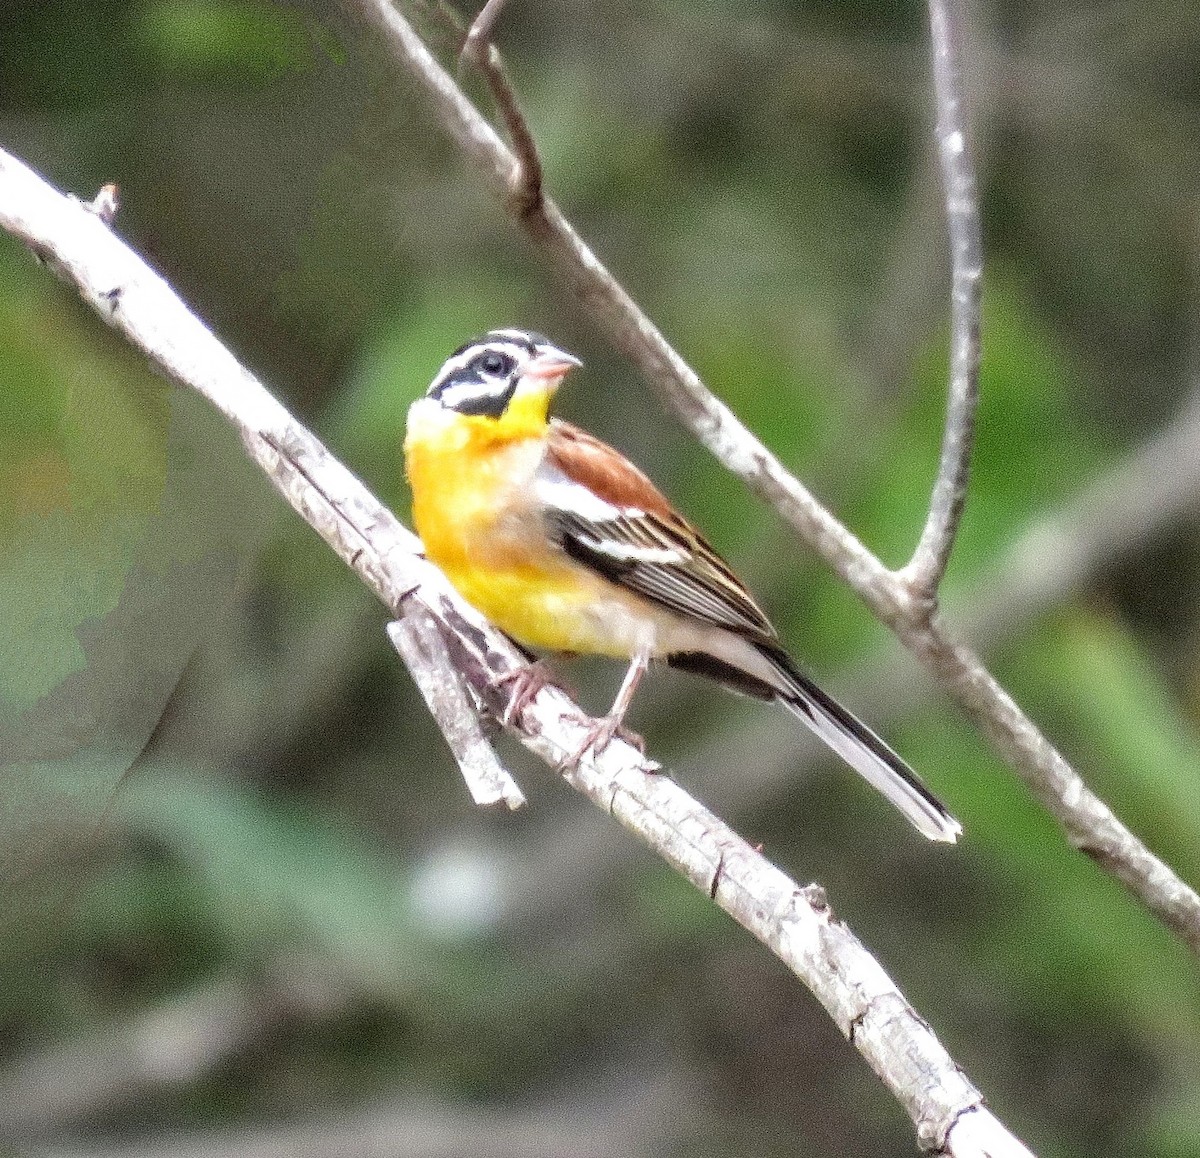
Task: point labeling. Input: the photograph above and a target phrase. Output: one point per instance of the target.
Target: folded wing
(609, 517)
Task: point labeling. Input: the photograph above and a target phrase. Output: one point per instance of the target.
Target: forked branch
(1088, 822)
(479, 50)
(795, 923)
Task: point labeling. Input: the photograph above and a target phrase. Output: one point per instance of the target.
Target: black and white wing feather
(609, 517)
(661, 562)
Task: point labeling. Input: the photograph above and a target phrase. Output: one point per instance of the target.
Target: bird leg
(527, 680)
(601, 732)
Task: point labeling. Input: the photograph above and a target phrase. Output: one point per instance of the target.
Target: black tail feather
(839, 728)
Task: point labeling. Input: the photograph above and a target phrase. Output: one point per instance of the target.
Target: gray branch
(796, 923)
(928, 564)
(478, 50)
(1088, 822)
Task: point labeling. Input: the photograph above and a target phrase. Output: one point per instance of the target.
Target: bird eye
(494, 364)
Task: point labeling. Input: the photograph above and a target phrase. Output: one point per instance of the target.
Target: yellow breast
(475, 509)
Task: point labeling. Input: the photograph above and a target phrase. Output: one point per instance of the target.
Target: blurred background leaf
(242, 885)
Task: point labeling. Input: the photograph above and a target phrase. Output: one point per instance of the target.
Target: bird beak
(551, 365)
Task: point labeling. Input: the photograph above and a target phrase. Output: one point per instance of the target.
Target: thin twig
(1088, 822)
(924, 572)
(796, 924)
(479, 50)
(479, 35)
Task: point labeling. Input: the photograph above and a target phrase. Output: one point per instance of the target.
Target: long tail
(864, 751)
(847, 735)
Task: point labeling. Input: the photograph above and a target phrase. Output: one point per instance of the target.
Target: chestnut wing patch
(655, 555)
(606, 472)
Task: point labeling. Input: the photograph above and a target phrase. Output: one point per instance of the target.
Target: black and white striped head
(484, 376)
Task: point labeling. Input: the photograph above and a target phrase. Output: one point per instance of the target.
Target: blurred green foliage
(222, 806)
(83, 458)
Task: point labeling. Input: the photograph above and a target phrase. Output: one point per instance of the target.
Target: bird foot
(527, 681)
(599, 735)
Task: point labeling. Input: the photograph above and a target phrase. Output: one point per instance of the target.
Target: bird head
(502, 381)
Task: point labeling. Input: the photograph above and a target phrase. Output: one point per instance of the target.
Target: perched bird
(564, 544)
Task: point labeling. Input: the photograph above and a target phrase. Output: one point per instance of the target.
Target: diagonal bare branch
(1090, 825)
(1155, 485)
(796, 923)
(924, 572)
